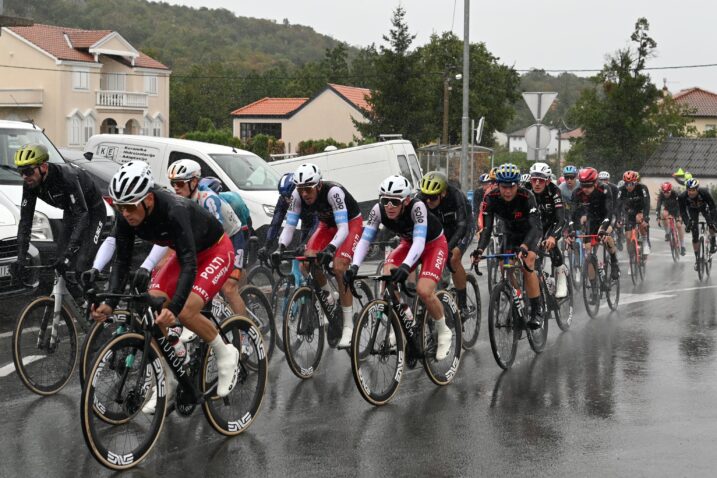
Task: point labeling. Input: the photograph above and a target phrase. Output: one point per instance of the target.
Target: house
(696, 155)
(76, 83)
(702, 105)
(292, 120)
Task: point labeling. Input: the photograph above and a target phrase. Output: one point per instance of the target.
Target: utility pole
(446, 90)
(466, 70)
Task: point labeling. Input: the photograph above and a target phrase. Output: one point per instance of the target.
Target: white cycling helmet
(184, 170)
(540, 170)
(396, 186)
(604, 176)
(307, 175)
(131, 183)
(524, 178)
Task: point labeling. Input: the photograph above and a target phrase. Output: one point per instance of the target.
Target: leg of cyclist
(342, 261)
(612, 249)
(680, 231)
(231, 287)
(458, 271)
(432, 262)
(559, 267)
(532, 289)
(644, 229)
(664, 221)
(695, 228)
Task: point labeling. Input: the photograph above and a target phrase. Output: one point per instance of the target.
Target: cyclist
(524, 180)
(235, 201)
(552, 215)
(184, 176)
(517, 208)
(670, 199)
(570, 183)
(65, 187)
(633, 208)
(604, 181)
(592, 209)
(693, 201)
(189, 279)
(335, 238)
(422, 240)
(478, 194)
(490, 185)
(449, 204)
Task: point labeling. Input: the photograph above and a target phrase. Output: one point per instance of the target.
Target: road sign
(538, 136)
(539, 102)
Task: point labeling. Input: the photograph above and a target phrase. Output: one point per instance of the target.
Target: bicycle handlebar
(408, 289)
(154, 302)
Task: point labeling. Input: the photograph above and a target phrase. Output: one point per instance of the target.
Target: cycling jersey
(84, 214)
(552, 212)
(238, 205)
(178, 223)
(454, 214)
(521, 219)
(308, 222)
(220, 209)
(671, 203)
(701, 203)
(614, 192)
(334, 207)
(597, 206)
(567, 193)
(633, 202)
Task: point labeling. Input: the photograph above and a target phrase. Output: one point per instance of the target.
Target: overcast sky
(548, 34)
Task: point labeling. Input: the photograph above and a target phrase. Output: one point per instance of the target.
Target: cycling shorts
(433, 259)
(214, 265)
(323, 235)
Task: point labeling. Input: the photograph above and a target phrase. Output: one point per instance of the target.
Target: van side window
(403, 166)
(415, 168)
(175, 156)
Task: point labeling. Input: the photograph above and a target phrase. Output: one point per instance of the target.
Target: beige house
(328, 115)
(703, 107)
(76, 83)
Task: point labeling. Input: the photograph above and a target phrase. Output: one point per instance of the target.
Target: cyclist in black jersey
(450, 205)
(422, 239)
(68, 188)
(604, 182)
(669, 198)
(518, 209)
(189, 279)
(693, 201)
(552, 216)
(335, 238)
(633, 208)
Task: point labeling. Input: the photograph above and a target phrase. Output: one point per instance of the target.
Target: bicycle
(704, 261)
(507, 313)
(673, 236)
(636, 257)
(385, 338)
(258, 310)
(574, 253)
(387, 247)
(303, 329)
(471, 323)
(562, 307)
(129, 367)
(597, 279)
(261, 276)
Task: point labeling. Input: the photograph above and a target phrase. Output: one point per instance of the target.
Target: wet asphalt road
(631, 393)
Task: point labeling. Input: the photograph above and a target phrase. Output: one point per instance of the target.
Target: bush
(312, 146)
(261, 145)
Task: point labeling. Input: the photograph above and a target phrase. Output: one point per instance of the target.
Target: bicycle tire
(492, 267)
(701, 260)
(591, 287)
(641, 263)
(505, 330)
(378, 284)
(632, 255)
(259, 311)
(94, 426)
(359, 304)
(301, 314)
(246, 337)
(262, 277)
(674, 243)
(280, 296)
(566, 306)
(538, 338)
(99, 334)
(380, 321)
(44, 374)
(442, 372)
(471, 324)
(612, 286)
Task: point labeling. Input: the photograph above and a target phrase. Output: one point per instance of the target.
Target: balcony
(21, 97)
(121, 100)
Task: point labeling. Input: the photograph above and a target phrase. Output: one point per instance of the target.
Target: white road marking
(24, 331)
(626, 299)
(10, 368)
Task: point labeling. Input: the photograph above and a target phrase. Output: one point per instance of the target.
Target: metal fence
(448, 160)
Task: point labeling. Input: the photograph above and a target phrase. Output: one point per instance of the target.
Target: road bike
(704, 259)
(597, 278)
(574, 253)
(561, 308)
(635, 254)
(674, 238)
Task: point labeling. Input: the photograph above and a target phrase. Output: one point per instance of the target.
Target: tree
(625, 116)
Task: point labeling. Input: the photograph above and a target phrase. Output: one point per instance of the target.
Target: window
(89, 128)
(157, 126)
(175, 156)
(74, 128)
(247, 172)
(415, 169)
(150, 84)
(710, 127)
(112, 82)
(403, 166)
(80, 79)
(249, 130)
(147, 127)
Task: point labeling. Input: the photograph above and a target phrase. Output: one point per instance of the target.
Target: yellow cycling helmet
(433, 183)
(31, 155)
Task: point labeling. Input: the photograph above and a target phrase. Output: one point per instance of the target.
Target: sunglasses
(538, 180)
(393, 202)
(129, 207)
(178, 183)
(29, 171)
(304, 189)
(431, 197)
(587, 185)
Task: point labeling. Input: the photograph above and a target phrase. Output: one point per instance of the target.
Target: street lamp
(446, 89)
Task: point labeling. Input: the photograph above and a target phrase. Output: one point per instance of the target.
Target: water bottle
(550, 282)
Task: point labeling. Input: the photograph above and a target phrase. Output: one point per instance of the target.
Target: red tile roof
(270, 107)
(353, 94)
(576, 133)
(51, 39)
(703, 102)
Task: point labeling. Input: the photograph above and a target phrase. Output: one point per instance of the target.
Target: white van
(362, 168)
(239, 170)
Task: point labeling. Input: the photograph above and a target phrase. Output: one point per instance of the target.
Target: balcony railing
(121, 99)
(21, 97)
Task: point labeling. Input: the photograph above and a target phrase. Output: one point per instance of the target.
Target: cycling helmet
(630, 177)
(692, 183)
(570, 170)
(620, 183)
(507, 174)
(31, 155)
(211, 183)
(307, 175)
(588, 175)
(666, 187)
(484, 178)
(286, 185)
(525, 178)
(540, 170)
(396, 186)
(184, 170)
(131, 183)
(604, 176)
(434, 182)
(491, 174)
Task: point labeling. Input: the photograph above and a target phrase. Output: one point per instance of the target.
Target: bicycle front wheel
(538, 338)
(99, 334)
(303, 334)
(612, 286)
(119, 384)
(280, 296)
(44, 347)
(441, 372)
(503, 330)
(263, 278)
(377, 285)
(471, 323)
(258, 309)
(591, 286)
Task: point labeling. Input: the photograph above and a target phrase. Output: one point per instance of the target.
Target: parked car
(9, 221)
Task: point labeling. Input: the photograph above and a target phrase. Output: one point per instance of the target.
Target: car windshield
(248, 172)
(13, 139)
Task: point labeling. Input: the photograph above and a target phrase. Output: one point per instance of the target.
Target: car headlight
(41, 229)
(269, 210)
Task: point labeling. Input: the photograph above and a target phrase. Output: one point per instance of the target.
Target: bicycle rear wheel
(119, 384)
(263, 278)
(641, 262)
(612, 286)
(441, 372)
(44, 350)
(631, 252)
(591, 287)
(471, 323)
(538, 338)
(674, 244)
(503, 330)
(303, 334)
(99, 334)
(258, 309)
(565, 312)
(378, 350)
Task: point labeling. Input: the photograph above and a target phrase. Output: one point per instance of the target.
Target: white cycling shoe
(170, 385)
(227, 370)
(561, 282)
(346, 334)
(444, 336)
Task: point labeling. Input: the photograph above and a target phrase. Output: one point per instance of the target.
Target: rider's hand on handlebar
(400, 274)
(326, 256)
(61, 264)
(101, 312)
(276, 256)
(549, 243)
(166, 318)
(476, 255)
(523, 251)
(88, 278)
(350, 274)
(140, 279)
